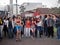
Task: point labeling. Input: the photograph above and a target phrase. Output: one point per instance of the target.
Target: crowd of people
(33, 27)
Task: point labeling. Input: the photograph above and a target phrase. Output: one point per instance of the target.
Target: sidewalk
(29, 41)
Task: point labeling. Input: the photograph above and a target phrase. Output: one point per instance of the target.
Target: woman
(33, 28)
(5, 28)
(27, 27)
(18, 27)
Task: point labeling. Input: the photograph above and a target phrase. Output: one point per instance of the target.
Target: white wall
(14, 9)
(31, 6)
(2, 7)
(29, 15)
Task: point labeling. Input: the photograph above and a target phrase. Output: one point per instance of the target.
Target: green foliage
(55, 10)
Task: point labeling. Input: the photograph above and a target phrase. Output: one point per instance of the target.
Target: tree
(55, 10)
(22, 9)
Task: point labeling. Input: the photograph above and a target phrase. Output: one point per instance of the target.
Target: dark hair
(45, 16)
(40, 17)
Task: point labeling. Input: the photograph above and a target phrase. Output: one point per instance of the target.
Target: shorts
(32, 28)
(18, 27)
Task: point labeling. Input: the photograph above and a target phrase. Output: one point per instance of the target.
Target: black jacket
(10, 24)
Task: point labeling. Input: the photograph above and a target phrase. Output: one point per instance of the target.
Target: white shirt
(40, 23)
(13, 23)
(6, 22)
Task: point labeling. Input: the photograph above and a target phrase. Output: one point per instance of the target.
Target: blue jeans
(45, 31)
(10, 32)
(58, 32)
(1, 33)
(40, 29)
(22, 30)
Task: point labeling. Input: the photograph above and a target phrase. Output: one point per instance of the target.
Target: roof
(43, 10)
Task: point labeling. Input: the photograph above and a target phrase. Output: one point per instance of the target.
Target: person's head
(14, 18)
(10, 18)
(32, 18)
(28, 18)
(54, 16)
(6, 18)
(19, 17)
(45, 16)
(48, 16)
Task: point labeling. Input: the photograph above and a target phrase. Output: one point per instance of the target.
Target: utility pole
(16, 8)
(58, 4)
(11, 8)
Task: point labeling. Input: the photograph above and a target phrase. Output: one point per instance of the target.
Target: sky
(49, 3)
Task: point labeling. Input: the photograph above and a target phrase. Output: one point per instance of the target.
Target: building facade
(14, 9)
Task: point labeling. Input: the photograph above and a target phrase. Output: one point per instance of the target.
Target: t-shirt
(50, 22)
(28, 24)
(58, 22)
(40, 23)
(6, 22)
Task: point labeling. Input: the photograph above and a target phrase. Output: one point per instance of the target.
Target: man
(50, 23)
(45, 25)
(58, 28)
(39, 27)
(10, 28)
(1, 28)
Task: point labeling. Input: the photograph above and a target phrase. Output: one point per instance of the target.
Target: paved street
(29, 41)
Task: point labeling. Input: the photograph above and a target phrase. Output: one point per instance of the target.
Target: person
(32, 32)
(27, 27)
(1, 28)
(54, 18)
(58, 27)
(10, 28)
(36, 28)
(39, 27)
(14, 26)
(22, 28)
(45, 26)
(5, 28)
(50, 23)
(18, 28)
